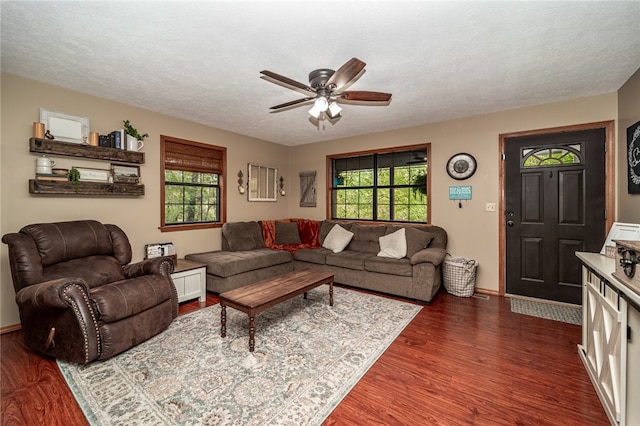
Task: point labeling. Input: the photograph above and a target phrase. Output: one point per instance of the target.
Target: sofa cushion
(393, 245)
(337, 239)
(385, 265)
(366, 238)
(287, 233)
(95, 270)
(417, 240)
(240, 236)
(226, 264)
(317, 256)
(348, 259)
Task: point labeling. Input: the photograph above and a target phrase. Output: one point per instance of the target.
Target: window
(388, 185)
(554, 156)
(192, 179)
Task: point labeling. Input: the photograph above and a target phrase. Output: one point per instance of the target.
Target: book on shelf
(116, 138)
(105, 141)
(51, 176)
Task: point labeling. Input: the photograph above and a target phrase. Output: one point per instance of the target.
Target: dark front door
(555, 206)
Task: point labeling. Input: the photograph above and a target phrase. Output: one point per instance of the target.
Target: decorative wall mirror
(263, 182)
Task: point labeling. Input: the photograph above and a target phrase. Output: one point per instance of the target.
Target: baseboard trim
(487, 292)
(10, 328)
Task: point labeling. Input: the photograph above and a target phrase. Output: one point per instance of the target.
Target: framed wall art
(308, 189)
(65, 127)
(633, 158)
(262, 182)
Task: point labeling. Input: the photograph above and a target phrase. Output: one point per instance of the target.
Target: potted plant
(133, 131)
(74, 177)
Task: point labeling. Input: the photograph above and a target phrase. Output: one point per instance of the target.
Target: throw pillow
(287, 233)
(337, 239)
(417, 240)
(393, 245)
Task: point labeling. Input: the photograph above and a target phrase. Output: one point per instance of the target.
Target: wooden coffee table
(254, 298)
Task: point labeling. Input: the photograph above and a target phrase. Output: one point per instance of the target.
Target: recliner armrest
(50, 295)
(158, 265)
(58, 319)
(429, 255)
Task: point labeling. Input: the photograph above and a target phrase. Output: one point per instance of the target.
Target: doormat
(562, 313)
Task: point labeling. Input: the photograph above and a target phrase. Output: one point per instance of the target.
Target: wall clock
(461, 166)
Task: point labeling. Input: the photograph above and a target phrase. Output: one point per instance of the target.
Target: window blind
(192, 156)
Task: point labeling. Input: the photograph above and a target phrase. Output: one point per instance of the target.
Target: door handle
(510, 223)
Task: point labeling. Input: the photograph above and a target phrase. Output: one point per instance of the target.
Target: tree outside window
(389, 185)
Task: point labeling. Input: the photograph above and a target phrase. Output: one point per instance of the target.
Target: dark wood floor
(460, 361)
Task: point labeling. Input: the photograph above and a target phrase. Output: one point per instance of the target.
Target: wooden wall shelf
(48, 146)
(85, 188)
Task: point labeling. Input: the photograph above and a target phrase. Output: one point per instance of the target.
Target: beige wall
(472, 231)
(139, 217)
(628, 114)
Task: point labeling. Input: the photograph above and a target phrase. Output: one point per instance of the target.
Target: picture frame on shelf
(125, 173)
(65, 127)
(154, 250)
(94, 175)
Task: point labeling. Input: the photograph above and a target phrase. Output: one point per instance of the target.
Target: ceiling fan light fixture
(319, 106)
(334, 109)
(314, 112)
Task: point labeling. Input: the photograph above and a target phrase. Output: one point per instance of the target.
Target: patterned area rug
(308, 356)
(570, 314)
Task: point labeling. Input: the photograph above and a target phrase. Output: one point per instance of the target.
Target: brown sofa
(244, 259)
(78, 296)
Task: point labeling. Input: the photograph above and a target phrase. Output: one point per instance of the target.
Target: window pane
(188, 200)
(389, 186)
(193, 172)
(552, 156)
(384, 177)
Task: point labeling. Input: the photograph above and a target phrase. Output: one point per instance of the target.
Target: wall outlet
(490, 207)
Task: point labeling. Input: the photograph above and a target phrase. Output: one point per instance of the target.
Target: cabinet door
(179, 283)
(605, 313)
(633, 365)
(192, 284)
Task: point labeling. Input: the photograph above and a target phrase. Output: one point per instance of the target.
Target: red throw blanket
(309, 231)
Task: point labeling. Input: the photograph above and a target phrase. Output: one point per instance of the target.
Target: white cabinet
(189, 279)
(610, 348)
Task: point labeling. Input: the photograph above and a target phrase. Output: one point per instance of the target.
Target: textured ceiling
(441, 60)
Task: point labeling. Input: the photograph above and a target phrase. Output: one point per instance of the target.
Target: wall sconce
(282, 191)
(240, 182)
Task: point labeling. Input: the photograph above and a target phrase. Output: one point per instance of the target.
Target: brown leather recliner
(78, 296)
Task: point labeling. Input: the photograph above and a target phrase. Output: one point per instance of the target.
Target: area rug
(307, 357)
(569, 314)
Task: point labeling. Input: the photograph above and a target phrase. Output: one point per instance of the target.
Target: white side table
(190, 279)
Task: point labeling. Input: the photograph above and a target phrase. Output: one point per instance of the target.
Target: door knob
(509, 223)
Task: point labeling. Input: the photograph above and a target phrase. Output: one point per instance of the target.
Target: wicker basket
(459, 276)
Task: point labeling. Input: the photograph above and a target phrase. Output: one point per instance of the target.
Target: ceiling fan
(326, 89)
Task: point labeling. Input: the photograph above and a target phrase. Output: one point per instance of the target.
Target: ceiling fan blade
(291, 103)
(363, 96)
(350, 70)
(285, 81)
